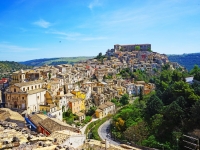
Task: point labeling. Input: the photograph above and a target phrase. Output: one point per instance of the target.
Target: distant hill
(55, 61)
(7, 67)
(186, 60)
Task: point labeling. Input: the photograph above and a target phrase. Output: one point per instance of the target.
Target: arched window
(14, 89)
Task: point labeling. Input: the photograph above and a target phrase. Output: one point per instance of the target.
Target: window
(14, 89)
(23, 89)
(35, 86)
(28, 88)
(32, 87)
(39, 86)
(22, 97)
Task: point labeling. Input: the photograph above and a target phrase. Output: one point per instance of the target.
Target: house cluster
(45, 132)
(54, 89)
(16, 138)
(142, 59)
(55, 134)
(43, 93)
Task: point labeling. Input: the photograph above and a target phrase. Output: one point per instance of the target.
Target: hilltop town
(56, 102)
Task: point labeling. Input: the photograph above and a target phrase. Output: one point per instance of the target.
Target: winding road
(105, 134)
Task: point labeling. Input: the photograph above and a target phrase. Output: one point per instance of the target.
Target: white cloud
(64, 35)
(93, 38)
(42, 23)
(76, 36)
(14, 48)
(94, 3)
(164, 12)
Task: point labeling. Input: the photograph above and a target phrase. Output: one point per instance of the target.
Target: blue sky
(33, 29)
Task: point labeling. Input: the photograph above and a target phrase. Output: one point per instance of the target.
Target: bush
(91, 111)
(118, 104)
(87, 119)
(69, 120)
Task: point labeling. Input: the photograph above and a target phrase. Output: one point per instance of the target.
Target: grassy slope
(7, 67)
(54, 61)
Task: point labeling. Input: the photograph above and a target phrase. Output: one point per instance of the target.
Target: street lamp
(114, 134)
(177, 143)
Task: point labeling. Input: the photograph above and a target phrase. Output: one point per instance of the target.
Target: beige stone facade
(26, 95)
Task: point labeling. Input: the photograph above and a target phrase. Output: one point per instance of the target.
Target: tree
(197, 76)
(167, 96)
(181, 88)
(137, 133)
(149, 49)
(154, 105)
(151, 141)
(173, 113)
(156, 124)
(124, 99)
(49, 75)
(159, 94)
(177, 76)
(166, 67)
(99, 56)
(120, 124)
(195, 111)
(137, 48)
(165, 76)
(181, 102)
(196, 87)
(91, 111)
(195, 70)
(65, 91)
(141, 94)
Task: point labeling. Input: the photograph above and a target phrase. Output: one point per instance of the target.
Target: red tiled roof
(87, 67)
(2, 82)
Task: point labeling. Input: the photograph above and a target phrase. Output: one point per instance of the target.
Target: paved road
(83, 129)
(103, 133)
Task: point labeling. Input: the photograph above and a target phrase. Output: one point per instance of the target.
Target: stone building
(26, 95)
(105, 109)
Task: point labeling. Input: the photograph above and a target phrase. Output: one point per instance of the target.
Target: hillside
(186, 60)
(7, 67)
(55, 61)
